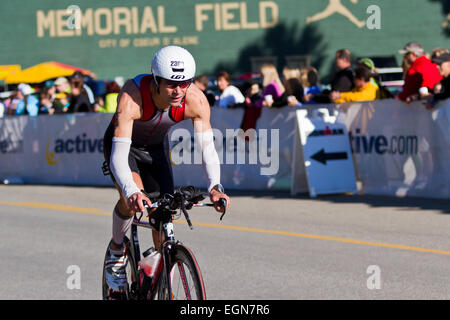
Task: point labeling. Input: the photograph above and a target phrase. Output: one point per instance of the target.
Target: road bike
(177, 276)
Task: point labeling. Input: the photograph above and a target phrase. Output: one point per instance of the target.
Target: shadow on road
(409, 203)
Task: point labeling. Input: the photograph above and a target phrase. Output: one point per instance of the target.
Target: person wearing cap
(136, 148)
(63, 91)
(443, 61)
(25, 101)
(63, 85)
(383, 92)
(423, 73)
(369, 64)
(364, 90)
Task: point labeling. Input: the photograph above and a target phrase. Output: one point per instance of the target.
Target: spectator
(443, 61)
(383, 92)
(24, 101)
(422, 73)
(229, 94)
(62, 98)
(363, 89)
(79, 100)
(436, 53)
(405, 66)
(110, 102)
(309, 77)
(2, 109)
(49, 86)
(80, 77)
(45, 103)
(290, 73)
(63, 86)
(342, 81)
(8, 104)
(293, 93)
(273, 88)
(253, 94)
(202, 82)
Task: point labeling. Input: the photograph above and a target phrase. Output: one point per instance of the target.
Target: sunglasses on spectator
(182, 84)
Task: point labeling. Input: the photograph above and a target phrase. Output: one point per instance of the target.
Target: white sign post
(327, 158)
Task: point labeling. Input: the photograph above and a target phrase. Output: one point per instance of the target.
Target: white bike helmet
(173, 63)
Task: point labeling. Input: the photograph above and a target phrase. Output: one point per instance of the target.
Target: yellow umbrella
(44, 71)
(9, 69)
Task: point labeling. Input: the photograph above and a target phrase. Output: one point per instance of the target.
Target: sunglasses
(182, 84)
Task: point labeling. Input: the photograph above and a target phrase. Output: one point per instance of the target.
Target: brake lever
(186, 215)
(223, 203)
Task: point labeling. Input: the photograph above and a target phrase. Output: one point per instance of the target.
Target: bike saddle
(141, 155)
(153, 196)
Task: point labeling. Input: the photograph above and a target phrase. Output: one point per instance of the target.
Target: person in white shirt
(2, 109)
(229, 94)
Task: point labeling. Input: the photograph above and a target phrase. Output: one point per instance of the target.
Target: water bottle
(149, 264)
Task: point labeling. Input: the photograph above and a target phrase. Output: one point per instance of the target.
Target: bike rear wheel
(185, 278)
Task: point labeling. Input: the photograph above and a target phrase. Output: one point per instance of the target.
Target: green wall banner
(118, 37)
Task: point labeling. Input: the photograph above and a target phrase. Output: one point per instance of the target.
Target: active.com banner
(398, 149)
(57, 149)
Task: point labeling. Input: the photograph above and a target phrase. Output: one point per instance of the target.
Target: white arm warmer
(210, 158)
(120, 168)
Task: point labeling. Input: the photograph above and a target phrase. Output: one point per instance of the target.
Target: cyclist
(148, 105)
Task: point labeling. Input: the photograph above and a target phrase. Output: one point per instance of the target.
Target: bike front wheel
(186, 282)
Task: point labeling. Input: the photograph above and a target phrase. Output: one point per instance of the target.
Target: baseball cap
(25, 89)
(413, 47)
(48, 84)
(368, 63)
(77, 75)
(60, 81)
(442, 58)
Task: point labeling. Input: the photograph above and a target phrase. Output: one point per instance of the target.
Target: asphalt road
(269, 245)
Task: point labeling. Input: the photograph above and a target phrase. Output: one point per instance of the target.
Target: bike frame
(161, 220)
(165, 249)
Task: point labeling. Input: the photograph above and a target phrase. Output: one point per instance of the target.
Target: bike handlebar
(184, 199)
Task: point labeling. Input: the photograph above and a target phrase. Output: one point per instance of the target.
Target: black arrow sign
(323, 157)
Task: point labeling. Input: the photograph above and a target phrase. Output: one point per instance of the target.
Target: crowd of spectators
(59, 96)
(425, 76)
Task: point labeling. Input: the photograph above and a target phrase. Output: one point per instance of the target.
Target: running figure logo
(335, 6)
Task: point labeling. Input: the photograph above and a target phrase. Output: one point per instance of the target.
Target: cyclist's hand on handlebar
(135, 202)
(215, 196)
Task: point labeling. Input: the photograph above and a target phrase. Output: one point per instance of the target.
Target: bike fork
(167, 274)
(170, 239)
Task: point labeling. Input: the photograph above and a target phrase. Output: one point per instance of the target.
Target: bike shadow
(375, 201)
